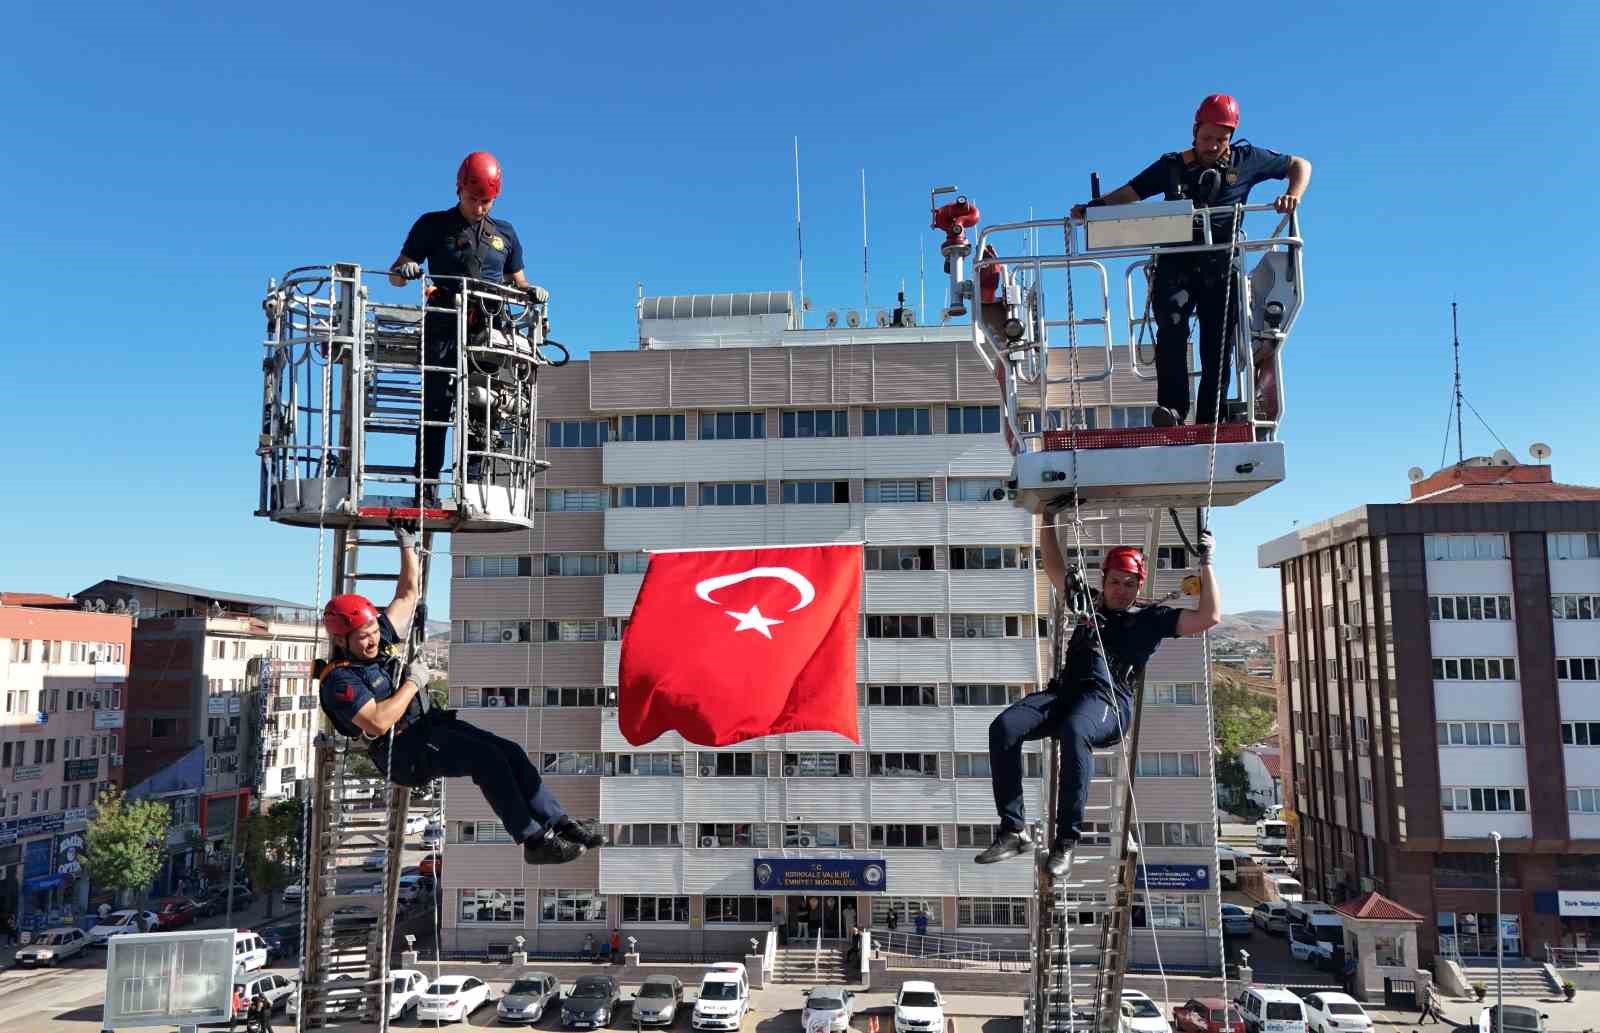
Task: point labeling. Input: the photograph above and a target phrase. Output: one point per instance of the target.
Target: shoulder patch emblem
(1232, 177)
(345, 693)
(498, 243)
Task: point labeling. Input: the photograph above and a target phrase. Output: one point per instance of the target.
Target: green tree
(1233, 784)
(1243, 717)
(269, 848)
(124, 840)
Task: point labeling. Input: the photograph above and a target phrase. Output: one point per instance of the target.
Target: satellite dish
(1539, 450)
(833, 319)
(122, 606)
(1414, 474)
(133, 607)
(88, 605)
(907, 318)
(883, 318)
(99, 606)
(852, 319)
(1503, 458)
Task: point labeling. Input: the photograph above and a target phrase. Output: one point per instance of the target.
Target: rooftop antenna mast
(922, 284)
(1455, 334)
(866, 265)
(799, 239)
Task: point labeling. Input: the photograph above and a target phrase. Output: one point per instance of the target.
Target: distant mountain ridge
(1249, 625)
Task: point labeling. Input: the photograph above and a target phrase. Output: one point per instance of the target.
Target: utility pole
(1455, 335)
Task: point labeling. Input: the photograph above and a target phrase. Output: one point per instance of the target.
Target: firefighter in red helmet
(1215, 171)
(459, 242)
(1089, 702)
(368, 692)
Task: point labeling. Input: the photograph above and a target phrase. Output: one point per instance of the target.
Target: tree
(1233, 783)
(124, 841)
(270, 848)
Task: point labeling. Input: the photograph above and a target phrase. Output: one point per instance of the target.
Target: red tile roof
(1509, 492)
(1271, 762)
(1375, 907)
(35, 599)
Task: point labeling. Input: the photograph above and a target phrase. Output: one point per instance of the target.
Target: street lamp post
(1499, 944)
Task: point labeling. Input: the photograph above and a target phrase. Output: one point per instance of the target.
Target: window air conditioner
(708, 841)
(708, 772)
(790, 771)
(508, 634)
(972, 632)
(807, 840)
(1352, 634)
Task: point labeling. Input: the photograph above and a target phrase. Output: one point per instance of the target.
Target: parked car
(1305, 946)
(1140, 1014)
(54, 947)
(1331, 1012)
(215, 902)
(1271, 1009)
(432, 865)
(406, 993)
(656, 1003)
(415, 823)
(283, 941)
(827, 1008)
(918, 1008)
(1276, 865)
(724, 997)
(1207, 1015)
(294, 893)
(274, 987)
(1236, 921)
(414, 888)
(249, 952)
(529, 997)
(174, 914)
(337, 1000)
(119, 922)
(452, 998)
(374, 860)
(591, 1004)
(1518, 1019)
(1271, 916)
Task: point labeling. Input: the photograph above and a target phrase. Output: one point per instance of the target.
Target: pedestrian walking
(1430, 1007)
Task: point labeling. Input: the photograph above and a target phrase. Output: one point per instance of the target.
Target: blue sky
(160, 167)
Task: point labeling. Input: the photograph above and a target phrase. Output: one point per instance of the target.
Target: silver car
(656, 1003)
(53, 947)
(827, 1010)
(530, 994)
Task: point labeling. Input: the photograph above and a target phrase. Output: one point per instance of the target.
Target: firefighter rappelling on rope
(1188, 255)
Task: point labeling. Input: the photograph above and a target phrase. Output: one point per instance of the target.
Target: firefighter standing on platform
(1214, 172)
(365, 693)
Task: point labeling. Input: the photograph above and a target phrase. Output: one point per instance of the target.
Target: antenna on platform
(799, 239)
(1455, 336)
(922, 283)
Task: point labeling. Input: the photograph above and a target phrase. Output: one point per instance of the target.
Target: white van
(1287, 888)
(1227, 870)
(1272, 836)
(1271, 1009)
(1322, 922)
(249, 952)
(723, 999)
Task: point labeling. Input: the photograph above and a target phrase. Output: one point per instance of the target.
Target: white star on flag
(753, 620)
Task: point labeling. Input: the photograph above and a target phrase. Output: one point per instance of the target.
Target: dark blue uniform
(430, 744)
(1195, 284)
(1087, 706)
(450, 245)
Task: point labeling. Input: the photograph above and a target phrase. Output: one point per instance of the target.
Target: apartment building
(1440, 665)
(195, 681)
(730, 426)
(63, 675)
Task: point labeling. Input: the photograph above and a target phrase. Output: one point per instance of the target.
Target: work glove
(417, 672)
(1204, 546)
(537, 295)
(406, 538)
(408, 270)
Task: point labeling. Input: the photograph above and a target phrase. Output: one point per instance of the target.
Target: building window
(580, 696)
(976, 765)
(571, 762)
(904, 765)
(986, 695)
(905, 911)
(480, 907)
(732, 426)
(1167, 911)
(1366, 789)
(818, 765)
(973, 419)
(1486, 733)
(575, 500)
(977, 836)
(1464, 546)
(731, 834)
(733, 494)
(899, 626)
(647, 834)
(495, 631)
(578, 433)
(652, 427)
(990, 557)
(900, 835)
(1469, 607)
(992, 912)
(498, 566)
(1567, 607)
(909, 557)
(1388, 950)
(1106, 765)
(655, 909)
(1580, 546)
(1578, 668)
(816, 423)
(1580, 733)
(571, 906)
(976, 489)
(1172, 557)
(884, 423)
(602, 629)
(160, 728)
(738, 910)
(740, 764)
(1124, 416)
(629, 562)
(824, 834)
(1175, 694)
(1174, 833)
(902, 696)
(1476, 668)
(1583, 801)
(645, 765)
(1169, 765)
(899, 492)
(986, 625)
(816, 493)
(649, 496)
(478, 832)
(1056, 419)
(1484, 799)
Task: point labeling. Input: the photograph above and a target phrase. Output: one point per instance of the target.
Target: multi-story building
(742, 429)
(1440, 659)
(194, 680)
(63, 674)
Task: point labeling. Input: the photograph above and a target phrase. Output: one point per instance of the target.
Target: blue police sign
(821, 875)
(1174, 876)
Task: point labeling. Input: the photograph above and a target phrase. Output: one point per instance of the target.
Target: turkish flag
(732, 644)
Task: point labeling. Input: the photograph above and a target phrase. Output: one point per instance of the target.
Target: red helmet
(347, 613)
(480, 171)
(1219, 109)
(1125, 558)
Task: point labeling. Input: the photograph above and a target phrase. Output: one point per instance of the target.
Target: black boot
(586, 834)
(549, 848)
(1010, 843)
(1060, 860)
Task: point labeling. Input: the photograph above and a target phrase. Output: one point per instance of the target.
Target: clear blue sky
(158, 168)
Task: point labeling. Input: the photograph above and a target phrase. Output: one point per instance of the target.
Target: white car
(918, 1008)
(1519, 1019)
(827, 1009)
(275, 988)
(1331, 1012)
(119, 922)
(335, 1002)
(54, 947)
(406, 993)
(415, 823)
(452, 998)
(293, 892)
(1140, 1014)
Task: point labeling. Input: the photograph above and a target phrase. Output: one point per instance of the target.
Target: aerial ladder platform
(1068, 357)
(345, 380)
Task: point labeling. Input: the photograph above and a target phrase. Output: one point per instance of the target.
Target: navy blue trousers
(1084, 718)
